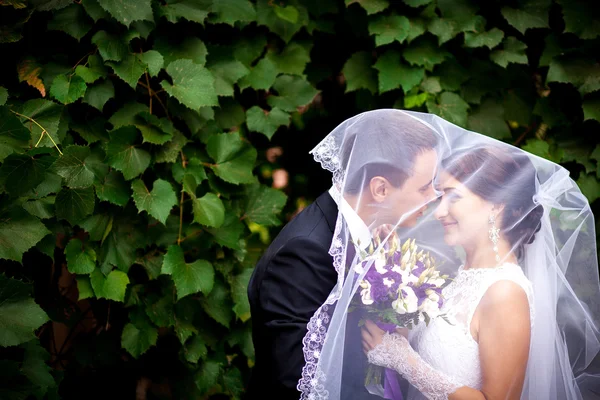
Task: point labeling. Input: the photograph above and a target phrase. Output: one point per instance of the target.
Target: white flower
(439, 282)
(388, 282)
(358, 268)
(407, 302)
(365, 294)
(379, 266)
(430, 307)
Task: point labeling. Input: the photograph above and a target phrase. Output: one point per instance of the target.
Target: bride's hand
(372, 335)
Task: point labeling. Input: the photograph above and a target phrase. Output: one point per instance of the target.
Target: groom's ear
(379, 188)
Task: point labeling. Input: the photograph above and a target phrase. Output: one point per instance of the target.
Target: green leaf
(229, 233)
(20, 316)
(154, 60)
(293, 92)
(94, 10)
(227, 73)
(425, 53)
(583, 73)
(532, 14)
(98, 226)
(14, 137)
(209, 210)
(218, 305)
(22, 172)
(191, 48)
(73, 168)
(394, 74)
(580, 19)
(262, 76)
(516, 108)
(123, 154)
(110, 47)
(513, 52)
(292, 60)
(417, 3)
(89, 75)
(126, 11)
(287, 13)
(127, 115)
(266, 122)
(552, 48)
(207, 376)
(194, 168)
(388, 28)
(248, 49)
(450, 107)
(234, 159)
(189, 10)
(99, 93)
(138, 336)
(370, 6)
(111, 287)
(84, 287)
(239, 293)
(72, 20)
(195, 349)
(191, 278)
(359, 74)
(3, 95)
(230, 115)
(68, 89)
(431, 85)
(19, 231)
(74, 204)
(159, 202)
(590, 186)
(161, 310)
(42, 208)
(452, 75)
(113, 188)
(591, 109)
(489, 120)
(193, 85)
(169, 152)
(154, 130)
(120, 246)
(267, 15)
(130, 69)
(231, 11)
(47, 5)
(80, 259)
(47, 114)
(491, 38)
(264, 204)
(34, 367)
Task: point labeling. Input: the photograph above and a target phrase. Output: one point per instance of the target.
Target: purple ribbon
(391, 386)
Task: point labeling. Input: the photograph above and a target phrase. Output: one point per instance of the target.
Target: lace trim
(395, 352)
(327, 154)
(310, 384)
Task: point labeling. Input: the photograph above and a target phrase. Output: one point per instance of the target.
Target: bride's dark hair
(502, 176)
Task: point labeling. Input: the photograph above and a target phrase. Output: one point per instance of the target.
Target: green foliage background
(135, 186)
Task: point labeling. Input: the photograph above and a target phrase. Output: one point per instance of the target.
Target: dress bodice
(448, 346)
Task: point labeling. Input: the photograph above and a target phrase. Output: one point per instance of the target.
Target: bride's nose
(441, 210)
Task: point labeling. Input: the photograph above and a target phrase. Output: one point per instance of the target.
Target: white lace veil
(544, 223)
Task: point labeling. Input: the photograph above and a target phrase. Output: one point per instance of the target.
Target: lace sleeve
(396, 353)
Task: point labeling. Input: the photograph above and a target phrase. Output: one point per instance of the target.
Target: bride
(520, 315)
(487, 208)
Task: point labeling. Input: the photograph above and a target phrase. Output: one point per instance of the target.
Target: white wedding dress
(451, 349)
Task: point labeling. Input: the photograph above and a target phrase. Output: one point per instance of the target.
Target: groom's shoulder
(316, 222)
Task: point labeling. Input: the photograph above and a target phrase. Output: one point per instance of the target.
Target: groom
(389, 159)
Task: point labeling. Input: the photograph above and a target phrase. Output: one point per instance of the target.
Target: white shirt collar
(359, 231)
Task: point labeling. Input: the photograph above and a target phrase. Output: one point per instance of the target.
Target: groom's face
(410, 201)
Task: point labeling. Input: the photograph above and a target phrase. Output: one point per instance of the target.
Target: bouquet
(401, 288)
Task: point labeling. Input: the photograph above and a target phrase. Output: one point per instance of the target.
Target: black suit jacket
(290, 282)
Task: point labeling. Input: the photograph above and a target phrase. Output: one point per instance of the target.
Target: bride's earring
(494, 234)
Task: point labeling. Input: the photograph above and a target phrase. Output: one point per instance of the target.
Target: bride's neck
(482, 255)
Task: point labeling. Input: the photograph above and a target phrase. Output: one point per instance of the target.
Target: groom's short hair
(383, 143)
